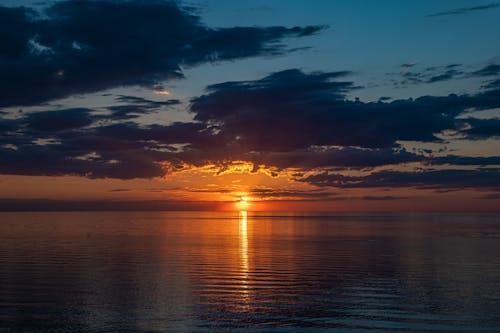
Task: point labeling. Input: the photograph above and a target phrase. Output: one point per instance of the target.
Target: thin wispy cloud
(465, 10)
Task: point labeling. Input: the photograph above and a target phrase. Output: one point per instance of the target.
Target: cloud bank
(288, 120)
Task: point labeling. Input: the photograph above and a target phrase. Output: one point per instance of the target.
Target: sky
(292, 105)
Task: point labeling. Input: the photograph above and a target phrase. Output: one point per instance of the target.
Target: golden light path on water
(243, 250)
(247, 272)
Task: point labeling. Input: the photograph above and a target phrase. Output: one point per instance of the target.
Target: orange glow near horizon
(243, 204)
(196, 189)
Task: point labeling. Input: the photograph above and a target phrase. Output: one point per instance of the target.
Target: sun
(243, 203)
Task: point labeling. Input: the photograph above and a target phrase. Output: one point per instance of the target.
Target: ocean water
(246, 272)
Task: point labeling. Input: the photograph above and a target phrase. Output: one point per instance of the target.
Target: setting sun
(243, 203)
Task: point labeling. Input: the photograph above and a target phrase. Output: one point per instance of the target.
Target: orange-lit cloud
(161, 92)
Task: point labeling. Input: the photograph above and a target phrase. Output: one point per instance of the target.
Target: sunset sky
(293, 105)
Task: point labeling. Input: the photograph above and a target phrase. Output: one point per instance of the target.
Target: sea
(248, 272)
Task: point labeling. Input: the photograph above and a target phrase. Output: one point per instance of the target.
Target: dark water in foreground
(220, 272)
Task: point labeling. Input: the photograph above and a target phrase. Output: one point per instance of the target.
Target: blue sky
(370, 38)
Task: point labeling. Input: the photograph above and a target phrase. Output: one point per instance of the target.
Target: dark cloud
(412, 74)
(268, 193)
(347, 157)
(63, 159)
(7, 125)
(52, 121)
(17, 29)
(166, 134)
(408, 65)
(292, 110)
(271, 194)
(130, 107)
(105, 205)
(488, 70)
(316, 195)
(464, 160)
(134, 100)
(79, 46)
(494, 84)
(446, 76)
(491, 70)
(120, 190)
(354, 158)
(465, 10)
(70, 147)
(478, 129)
(426, 179)
(373, 198)
(490, 196)
(289, 120)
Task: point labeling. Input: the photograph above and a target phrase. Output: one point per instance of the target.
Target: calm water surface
(230, 272)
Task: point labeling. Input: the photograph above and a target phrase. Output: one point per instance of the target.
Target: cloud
(130, 107)
(105, 205)
(292, 110)
(346, 157)
(463, 160)
(425, 179)
(311, 195)
(77, 47)
(288, 120)
(192, 133)
(447, 75)
(494, 84)
(412, 74)
(140, 101)
(59, 120)
(490, 196)
(315, 195)
(466, 10)
(17, 22)
(488, 70)
(7, 126)
(66, 159)
(273, 194)
(478, 129)
(373, 198)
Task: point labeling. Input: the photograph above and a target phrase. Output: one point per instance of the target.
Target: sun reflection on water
(243, 250)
